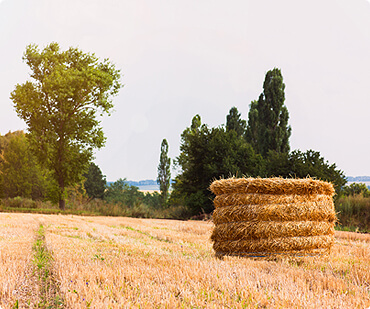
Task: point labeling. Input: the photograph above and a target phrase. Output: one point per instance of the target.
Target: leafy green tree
(61, 105)
(234, 122)
(304, 164)
(120, 192)
(5, 139)
(153, 200)
(356, 189)
(207, 154)
(20, 173)
(268, 117)
(95, 183)
(114, 191)
(164, 172)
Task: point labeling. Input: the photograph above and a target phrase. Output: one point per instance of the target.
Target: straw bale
(273, 255)
(233, 199)
(274, 245)
(265, 229)
(308, 211)
(306, 186)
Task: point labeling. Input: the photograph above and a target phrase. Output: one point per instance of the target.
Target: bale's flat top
(276, 185)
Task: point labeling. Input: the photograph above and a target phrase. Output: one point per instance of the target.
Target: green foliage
(125, 195)
(49, 288)
(153, 200)
(268, 117)
(95, 182)
(20, 173)
(20, 202)
(164, 172)
(235, 123)
(4, 140)
(353, 212)
(356, 189)
(114, 192)
(303, 164)
(61, 105)
(207, 154)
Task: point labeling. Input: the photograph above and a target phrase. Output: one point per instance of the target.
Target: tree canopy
(235, 122)
(268, 117)
(207, 154)
(61, 104)
(304, 164)
(20, 173)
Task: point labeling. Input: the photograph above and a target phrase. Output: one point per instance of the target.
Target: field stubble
(106, 262)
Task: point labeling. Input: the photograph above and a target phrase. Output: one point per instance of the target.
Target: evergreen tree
(95, 183)
(164, 172)
(234, 122)
(268, 117)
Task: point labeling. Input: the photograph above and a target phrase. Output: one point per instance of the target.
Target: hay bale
(272, 216)
(309, 211)
(275, 246)
(306, 186)
(270, 229)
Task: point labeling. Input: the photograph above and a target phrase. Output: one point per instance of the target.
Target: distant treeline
(140, 183)
(254, 147)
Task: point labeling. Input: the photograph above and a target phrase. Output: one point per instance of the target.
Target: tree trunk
(62, 204)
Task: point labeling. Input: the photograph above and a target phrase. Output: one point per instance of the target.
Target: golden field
(115, 262)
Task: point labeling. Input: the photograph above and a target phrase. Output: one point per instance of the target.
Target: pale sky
(180, 58)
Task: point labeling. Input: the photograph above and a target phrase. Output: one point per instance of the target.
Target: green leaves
(208, 154)
(20, 174)
(164, 172)
(95, 183)
(60, 107)
(268, 117)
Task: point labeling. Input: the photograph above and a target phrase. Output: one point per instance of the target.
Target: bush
(19, 202)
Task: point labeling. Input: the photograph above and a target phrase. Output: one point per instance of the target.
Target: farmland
(61, 261)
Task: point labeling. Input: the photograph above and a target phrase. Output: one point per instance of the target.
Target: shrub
(20, 202)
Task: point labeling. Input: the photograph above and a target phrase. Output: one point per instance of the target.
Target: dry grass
(17, 234)
(104, 262)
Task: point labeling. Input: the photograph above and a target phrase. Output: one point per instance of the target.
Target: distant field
(106, 262)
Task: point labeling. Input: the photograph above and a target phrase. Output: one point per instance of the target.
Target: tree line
(61, 105)
(258, 147)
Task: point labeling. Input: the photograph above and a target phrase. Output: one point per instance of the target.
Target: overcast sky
(180, 58)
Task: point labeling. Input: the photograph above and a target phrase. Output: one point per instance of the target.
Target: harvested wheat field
(106, 262)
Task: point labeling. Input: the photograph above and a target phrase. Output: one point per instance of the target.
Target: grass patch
(49, 290)
(146, 234)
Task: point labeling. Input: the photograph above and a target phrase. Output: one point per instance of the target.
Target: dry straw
(272, 216)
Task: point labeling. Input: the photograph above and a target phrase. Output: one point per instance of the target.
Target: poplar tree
(164, 172)
(268, 117)
(234, 122)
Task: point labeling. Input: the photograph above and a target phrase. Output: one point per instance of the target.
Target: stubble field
(56, 261)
